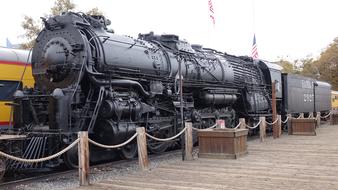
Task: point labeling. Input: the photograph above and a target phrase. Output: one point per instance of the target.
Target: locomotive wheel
(157, 147)
(129, 151)
(2, 168)
(71, 158)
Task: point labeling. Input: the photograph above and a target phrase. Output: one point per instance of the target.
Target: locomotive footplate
(12, 137)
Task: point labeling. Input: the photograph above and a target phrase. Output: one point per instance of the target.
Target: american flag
(254, 51)
(211, 12)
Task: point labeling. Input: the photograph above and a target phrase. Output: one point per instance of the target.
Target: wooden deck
(291, 162)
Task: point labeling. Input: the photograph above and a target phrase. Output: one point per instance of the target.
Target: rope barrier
(272, 122)
(286, 120)
(40, 159)
(113, 146)
(326, 115)
(213, 126)
(254, 127)
(167, 139)
(239, 124)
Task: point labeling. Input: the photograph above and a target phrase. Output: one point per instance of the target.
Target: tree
(61, 6)
(32, 27)
(94, 11)
(328, 64)
(287, 66)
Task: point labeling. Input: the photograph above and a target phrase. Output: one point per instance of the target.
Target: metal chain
(272, 122)
(254, 127)
(167, 139)
(286, 120)
(40, 159)
(326, 115)
(113, 146)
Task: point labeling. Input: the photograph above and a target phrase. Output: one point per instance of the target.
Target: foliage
(328, 64)
(287, 66)
(94, 11)
(32, 27)
(61, 6)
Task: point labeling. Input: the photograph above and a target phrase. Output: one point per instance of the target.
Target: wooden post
(188, 141)
(274, 110)
(142, 148)
(220, 124)
(279, 125)
(83, 151)
(242, 121)
(318, 118)
(262, 129)
(289, 124)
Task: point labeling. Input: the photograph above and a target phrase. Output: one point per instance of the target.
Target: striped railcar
(14, 65)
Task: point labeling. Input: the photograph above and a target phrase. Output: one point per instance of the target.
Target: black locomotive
(89, 79)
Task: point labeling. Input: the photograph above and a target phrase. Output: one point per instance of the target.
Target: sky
(288, 29)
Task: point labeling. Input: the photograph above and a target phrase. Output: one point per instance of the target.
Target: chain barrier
(167, 139)
(254, 127)
(113, 146)
(286, 120)
(326, 115)
(40, 159)
(272, 122)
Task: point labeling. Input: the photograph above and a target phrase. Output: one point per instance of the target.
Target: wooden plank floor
(291, 162)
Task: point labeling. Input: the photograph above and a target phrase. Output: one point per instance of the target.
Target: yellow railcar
(334, 95)
(14, 66)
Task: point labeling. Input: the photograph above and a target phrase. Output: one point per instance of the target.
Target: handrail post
(188, 141)
(262, 129)
(83, 155)
(289, 124)
(274, 110)
(318, 118)
(242, 121)
(142, 148)
(279, 125)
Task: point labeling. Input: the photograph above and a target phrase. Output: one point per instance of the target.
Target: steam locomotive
(89, 79)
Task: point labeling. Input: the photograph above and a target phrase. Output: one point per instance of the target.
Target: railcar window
(7, 89)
